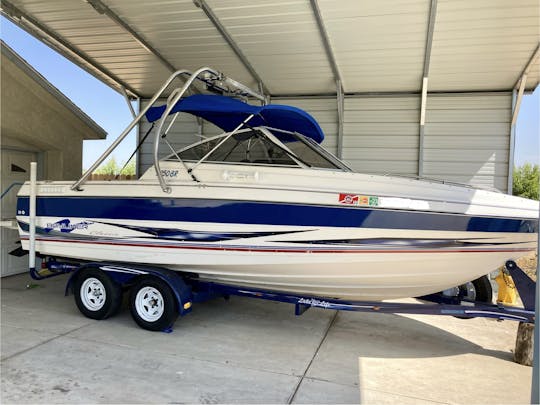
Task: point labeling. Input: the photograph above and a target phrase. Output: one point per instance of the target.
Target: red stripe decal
(248, 249)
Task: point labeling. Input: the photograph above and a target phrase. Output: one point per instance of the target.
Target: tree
(111, 167)
(129, 170)
(525, 180)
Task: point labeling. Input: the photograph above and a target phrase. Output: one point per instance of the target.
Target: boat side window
(244, 147)
(198, 151)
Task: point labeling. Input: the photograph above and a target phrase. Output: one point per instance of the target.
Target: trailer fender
(124, 274)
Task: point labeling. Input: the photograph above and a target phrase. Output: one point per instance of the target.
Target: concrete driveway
(249, 351)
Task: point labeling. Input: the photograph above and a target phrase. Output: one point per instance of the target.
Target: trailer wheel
(478, 290)
(152, 304)
(97, 296)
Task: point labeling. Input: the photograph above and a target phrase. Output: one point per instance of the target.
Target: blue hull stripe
(266, 213)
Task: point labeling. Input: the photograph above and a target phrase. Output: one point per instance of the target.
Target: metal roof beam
(34, 27)
(517, 104)
(227, 37)
(425, 78)
(326, 43)
(340, 94)
(435, 93)
(528, 66)
(104, 9)
(128, 101)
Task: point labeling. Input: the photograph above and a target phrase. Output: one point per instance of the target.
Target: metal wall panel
(324, 110)
(467, 138)
(381, 134)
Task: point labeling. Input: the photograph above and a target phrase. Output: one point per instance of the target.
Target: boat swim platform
(250, 351)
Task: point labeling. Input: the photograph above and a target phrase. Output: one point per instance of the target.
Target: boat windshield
(255, 147)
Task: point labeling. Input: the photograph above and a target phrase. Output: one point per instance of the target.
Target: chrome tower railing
(213, 79)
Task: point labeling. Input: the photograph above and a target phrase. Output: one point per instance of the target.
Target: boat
(263, 205)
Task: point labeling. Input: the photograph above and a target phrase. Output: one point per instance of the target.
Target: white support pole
(510, 180)
(423, 104)
(515, 110)
(128, 101)
(341, 118)
(32, 217)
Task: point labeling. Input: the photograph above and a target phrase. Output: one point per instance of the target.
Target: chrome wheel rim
(149, 304)
(93, 294)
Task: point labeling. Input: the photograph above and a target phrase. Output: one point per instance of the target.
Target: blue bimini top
(227, 113)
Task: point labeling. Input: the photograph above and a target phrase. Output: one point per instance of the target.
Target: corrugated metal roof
(483, 42)
(378, 46)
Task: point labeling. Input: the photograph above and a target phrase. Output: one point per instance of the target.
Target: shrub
(525, 181)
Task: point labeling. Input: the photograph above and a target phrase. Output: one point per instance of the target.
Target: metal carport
(428, 87)
(417, 87)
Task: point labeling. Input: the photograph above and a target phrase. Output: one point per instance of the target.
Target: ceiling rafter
(102, 8)
(230, 41)
(326, 44)
(40, 31)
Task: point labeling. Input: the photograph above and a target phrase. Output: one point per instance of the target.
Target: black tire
(97, 296)
(152, 304)
(483, 289)
(481, 292)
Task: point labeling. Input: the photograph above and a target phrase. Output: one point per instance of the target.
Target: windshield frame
(267, 132)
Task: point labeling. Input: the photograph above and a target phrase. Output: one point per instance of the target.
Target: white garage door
(15, 171)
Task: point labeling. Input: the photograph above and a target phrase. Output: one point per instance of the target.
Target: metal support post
(510, 180)
(535, 397)
(423, 104)
(517, 105)
(425, 76)
(340, 114)
(128, 101)
(32, 217)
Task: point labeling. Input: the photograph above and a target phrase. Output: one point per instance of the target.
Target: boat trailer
(159, 295)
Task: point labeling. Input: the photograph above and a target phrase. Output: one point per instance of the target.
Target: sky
(109, 109)
(104, 105)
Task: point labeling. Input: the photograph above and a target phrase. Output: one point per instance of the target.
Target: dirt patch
(528, 264)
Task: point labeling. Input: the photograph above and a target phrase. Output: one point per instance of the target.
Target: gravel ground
(528, 264)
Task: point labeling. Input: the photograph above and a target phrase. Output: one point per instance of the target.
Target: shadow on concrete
(396, 336)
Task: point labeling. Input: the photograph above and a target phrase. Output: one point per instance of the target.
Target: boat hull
(292, 237)
(369, 275)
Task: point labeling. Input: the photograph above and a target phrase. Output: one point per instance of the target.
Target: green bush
(525, 181)
(111, 167)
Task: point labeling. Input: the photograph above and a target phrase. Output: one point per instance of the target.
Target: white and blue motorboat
(263, 205)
